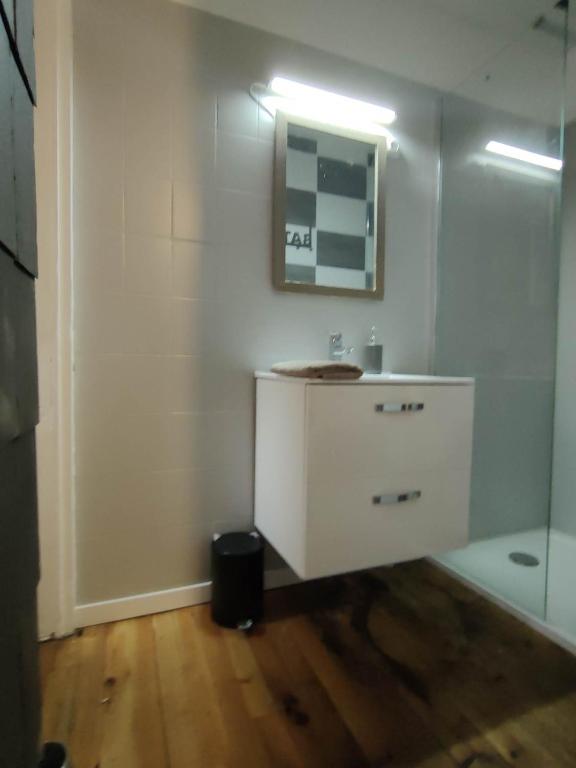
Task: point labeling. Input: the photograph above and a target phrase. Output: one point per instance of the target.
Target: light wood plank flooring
(396, 667)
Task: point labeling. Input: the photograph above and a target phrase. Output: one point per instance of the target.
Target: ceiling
(486, 50)
(526, 75)
(514, 16)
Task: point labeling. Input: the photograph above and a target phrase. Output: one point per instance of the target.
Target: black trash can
(53, 756)
(237, 579)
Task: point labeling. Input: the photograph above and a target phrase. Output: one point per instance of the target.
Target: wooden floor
(396, 667)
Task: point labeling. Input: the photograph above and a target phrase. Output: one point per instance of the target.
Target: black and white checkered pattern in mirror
(329, 209)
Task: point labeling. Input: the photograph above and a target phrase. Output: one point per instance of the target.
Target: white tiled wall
(173, 301)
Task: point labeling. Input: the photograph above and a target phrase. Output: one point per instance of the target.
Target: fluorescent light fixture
(517, 153)
(315, 98)
(309, 103)
(321, 114)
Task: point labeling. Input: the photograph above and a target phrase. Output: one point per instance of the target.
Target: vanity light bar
(321, 114)
(308, 96)
(517, 153)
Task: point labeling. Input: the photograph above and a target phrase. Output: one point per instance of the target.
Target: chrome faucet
(336, 348)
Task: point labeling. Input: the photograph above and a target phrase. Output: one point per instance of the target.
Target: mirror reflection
(330, 210)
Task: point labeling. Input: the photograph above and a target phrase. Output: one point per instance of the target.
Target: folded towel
(318, 369)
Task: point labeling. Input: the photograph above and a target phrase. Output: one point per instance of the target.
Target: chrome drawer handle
(396, 498)
(398, 407)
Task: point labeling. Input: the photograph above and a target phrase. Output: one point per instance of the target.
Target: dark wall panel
(19, 561)
(7, 169)
(19, 688)
(17, 185)
(23, 122)
(18, 359)
(24, 23)
(8, 10)
(19, 522)
(19, 696)
(18, 18)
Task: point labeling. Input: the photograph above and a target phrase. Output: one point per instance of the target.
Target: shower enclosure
(506, 315)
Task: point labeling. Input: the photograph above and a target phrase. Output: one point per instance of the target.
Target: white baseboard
(141, 605)
(166, 600)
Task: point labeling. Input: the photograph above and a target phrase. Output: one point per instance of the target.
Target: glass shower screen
(497, 299)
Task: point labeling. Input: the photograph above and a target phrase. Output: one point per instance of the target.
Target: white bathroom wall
(173, 302)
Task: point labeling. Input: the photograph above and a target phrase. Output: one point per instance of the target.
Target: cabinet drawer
(365, 431)
(375, 521)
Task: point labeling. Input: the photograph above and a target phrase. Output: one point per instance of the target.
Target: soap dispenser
(373, 354)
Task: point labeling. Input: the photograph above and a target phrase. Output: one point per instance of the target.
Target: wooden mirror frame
(279, 228)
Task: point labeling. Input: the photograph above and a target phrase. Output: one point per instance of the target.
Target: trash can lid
(239, 543)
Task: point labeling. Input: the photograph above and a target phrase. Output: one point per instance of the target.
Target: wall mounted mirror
(328, 210)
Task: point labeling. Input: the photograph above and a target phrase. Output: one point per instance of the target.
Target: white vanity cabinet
(356, 474)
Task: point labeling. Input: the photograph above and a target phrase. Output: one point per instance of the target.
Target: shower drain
(523, 558)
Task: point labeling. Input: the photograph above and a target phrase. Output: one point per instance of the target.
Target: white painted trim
(556, 635)
(65, 221)
(141, 605)
(53, 126)
(166, 600)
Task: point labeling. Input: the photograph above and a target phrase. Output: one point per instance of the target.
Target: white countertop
(372, 378)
